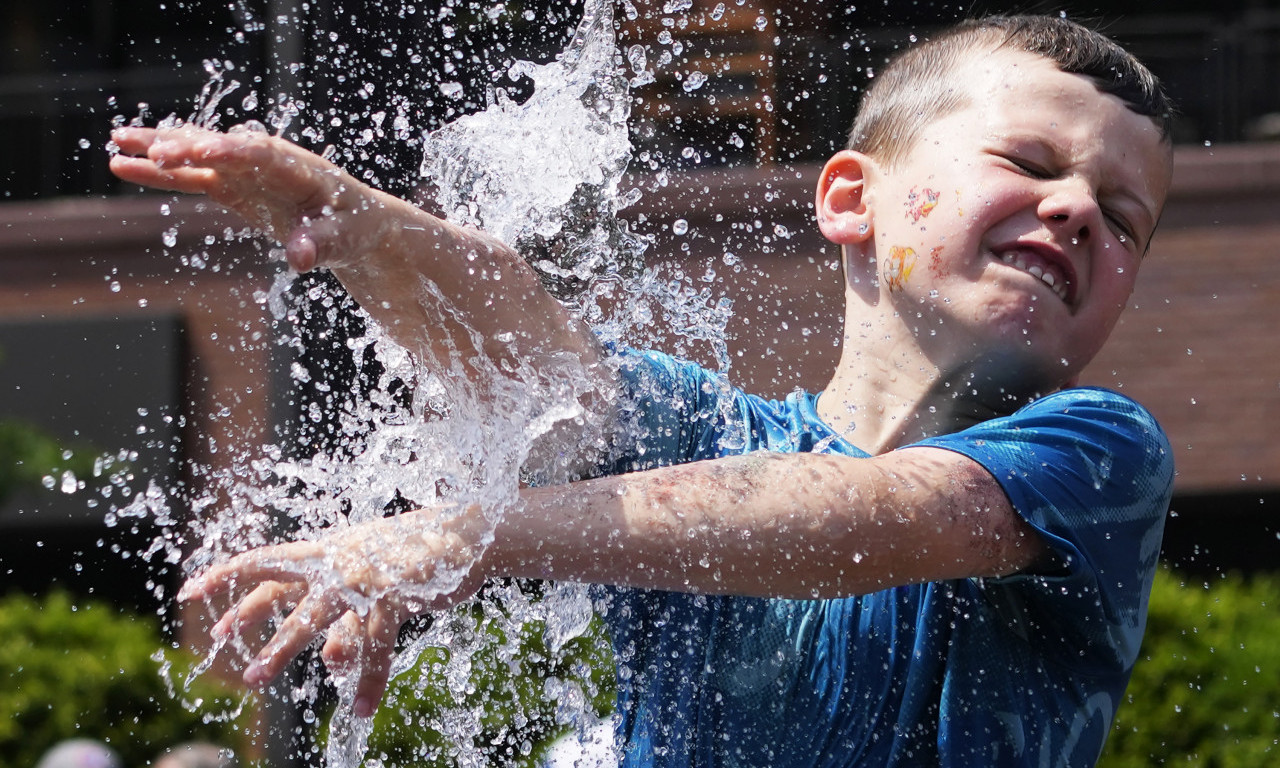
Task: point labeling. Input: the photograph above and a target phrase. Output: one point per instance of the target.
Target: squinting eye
(1029, 168)
(1121, 227)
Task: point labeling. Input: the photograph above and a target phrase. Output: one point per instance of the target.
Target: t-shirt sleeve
(672, 411)
(1093, 472)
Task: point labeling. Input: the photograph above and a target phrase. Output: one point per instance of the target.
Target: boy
(943, 559)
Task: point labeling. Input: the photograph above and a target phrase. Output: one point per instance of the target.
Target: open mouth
(1050, 271)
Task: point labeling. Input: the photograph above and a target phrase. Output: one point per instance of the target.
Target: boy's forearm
(386, 251)
(436, 286)
(798, 525)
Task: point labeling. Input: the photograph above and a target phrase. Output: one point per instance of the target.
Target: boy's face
(1012, 232)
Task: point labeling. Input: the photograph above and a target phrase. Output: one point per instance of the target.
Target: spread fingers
(314, 614)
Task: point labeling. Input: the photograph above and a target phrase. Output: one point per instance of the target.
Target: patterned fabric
(1019, 671)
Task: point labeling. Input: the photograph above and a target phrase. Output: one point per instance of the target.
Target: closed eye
(1034, 170)
(1121, 227)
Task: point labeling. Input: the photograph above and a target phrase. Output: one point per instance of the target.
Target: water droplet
(637, 59)
(694, 81)
(679, 226)
(452, 90)
(170, 237)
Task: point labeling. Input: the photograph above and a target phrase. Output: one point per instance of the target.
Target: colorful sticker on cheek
(921, 204)
(936, 267)
(897, 268)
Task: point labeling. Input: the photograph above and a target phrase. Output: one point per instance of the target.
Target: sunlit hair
(926, 82)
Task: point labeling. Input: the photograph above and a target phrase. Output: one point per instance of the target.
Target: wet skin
(1043, 175)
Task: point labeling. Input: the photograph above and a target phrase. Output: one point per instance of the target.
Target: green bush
(79, 669)
(505, 683)
(29, 454)
(1206, 691)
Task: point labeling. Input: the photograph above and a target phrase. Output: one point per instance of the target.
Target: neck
(888, 391)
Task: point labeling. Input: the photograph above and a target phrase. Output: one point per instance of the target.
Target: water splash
(425, 435)
(544, 175)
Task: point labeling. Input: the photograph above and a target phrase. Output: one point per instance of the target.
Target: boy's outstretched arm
(794, 525)
(777, 525)
(425, 280)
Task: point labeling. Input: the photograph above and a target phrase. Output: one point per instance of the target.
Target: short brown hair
(915, 89)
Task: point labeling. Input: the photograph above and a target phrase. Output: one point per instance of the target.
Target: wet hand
(354, 587)
(320, 213)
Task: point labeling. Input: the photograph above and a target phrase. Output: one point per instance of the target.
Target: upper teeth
(1035, 270)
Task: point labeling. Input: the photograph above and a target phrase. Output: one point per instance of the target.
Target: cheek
(937, 266)
(921, 201)
(1113, 277)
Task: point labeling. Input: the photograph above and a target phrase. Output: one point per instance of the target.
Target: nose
(1070, 208)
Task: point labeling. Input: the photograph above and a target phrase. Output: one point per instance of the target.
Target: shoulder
(700, 414)
(1097, 439)
(673, 410)
(1092, 472)
(1076, 462)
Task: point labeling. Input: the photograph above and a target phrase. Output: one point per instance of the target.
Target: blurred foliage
(1206, 691)
(79, 669)
(29, 454)
(505, 699)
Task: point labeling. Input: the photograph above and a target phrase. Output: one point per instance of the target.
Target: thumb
(327, 240)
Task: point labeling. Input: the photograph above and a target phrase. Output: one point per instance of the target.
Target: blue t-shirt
(1025, 670)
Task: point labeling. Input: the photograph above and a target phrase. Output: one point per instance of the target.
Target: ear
(841, 204)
